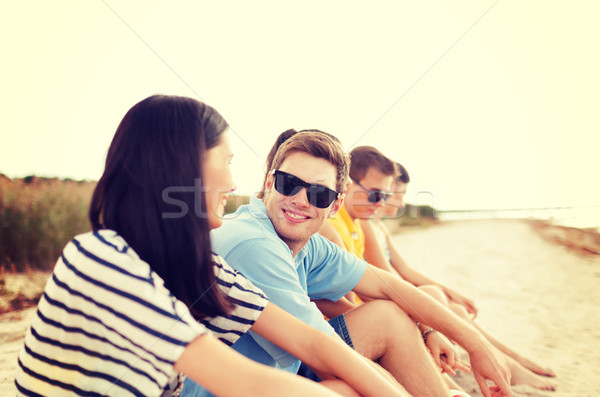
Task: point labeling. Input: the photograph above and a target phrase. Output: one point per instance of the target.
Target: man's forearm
(424, 309)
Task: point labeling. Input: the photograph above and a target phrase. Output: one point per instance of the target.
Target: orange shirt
(350, 231)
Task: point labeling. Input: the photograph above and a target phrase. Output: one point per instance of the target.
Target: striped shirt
(106, 324)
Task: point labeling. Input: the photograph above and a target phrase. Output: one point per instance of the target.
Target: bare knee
(376, 325)
(386, 313)
(435, 292)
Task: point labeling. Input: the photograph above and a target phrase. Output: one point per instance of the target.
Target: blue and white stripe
(106, 325)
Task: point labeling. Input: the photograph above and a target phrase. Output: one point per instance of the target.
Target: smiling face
(295, 220)
(357, 203)
(218, 182)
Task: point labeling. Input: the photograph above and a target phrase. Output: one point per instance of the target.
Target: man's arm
(486, 362)
(374, 253)
(329, 308)
(328, 355)
(267, 265)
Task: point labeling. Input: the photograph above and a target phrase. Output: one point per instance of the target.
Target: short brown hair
(401, 174)
(284, 136)
(319, 145)
(364, 157)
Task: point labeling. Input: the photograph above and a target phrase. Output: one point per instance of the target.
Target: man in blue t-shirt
(274, 243)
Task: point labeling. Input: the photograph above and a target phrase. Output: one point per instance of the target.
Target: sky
(488, 104)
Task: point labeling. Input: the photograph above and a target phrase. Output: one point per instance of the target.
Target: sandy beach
(538, 296)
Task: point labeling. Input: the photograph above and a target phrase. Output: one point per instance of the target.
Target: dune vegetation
(38, 216)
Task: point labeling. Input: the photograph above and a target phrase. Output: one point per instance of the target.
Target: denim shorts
(341, 328)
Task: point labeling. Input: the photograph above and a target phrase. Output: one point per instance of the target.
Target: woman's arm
(225, 372)
(374, 252)
(326, 354)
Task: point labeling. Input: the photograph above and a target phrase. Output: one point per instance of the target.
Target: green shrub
(416, 215)
(38, 216)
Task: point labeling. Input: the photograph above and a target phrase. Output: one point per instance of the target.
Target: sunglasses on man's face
(289, 185)
(375, 196)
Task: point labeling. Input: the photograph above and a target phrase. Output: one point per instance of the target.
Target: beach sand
(536, 295)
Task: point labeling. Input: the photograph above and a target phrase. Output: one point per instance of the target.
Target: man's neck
(296, 249)
(294, 246)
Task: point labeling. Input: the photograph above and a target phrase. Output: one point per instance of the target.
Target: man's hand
(489, 364)
(444, 354)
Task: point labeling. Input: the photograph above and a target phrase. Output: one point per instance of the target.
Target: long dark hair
(159, 147)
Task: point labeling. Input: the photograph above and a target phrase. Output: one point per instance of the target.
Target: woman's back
(105, 323)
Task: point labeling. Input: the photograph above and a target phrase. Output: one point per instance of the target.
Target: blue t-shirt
(321, 270)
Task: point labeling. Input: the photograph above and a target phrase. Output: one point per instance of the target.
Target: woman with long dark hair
(142, 299)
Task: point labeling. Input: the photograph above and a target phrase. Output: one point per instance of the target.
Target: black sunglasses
(289, 185)
(375, 196)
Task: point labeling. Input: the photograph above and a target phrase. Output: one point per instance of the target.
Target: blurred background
(489, 105)
(492, 106)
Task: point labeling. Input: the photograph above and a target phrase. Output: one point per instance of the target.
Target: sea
(577, 217)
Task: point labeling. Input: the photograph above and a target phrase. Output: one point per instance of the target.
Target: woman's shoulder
(108, 250)
(103, 240)
(230, 280)
(221, 266)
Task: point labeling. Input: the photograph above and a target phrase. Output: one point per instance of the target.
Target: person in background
(142, 299)
(380, 251)
(273, 242)
(371, 175)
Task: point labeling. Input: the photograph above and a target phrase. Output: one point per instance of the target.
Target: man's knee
(377, 325)
(385, 316)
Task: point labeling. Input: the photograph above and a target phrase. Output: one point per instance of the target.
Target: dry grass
(582, 241)
(38, 216)
(21, 290)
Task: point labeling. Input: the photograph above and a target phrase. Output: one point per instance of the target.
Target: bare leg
(439, 295)
(520, 373)
(523, 376)
(381, 331)
(525, 362)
